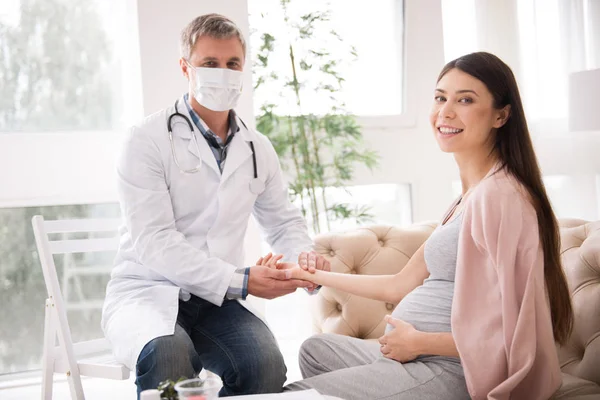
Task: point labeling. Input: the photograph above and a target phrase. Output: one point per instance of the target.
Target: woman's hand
(401, 343)
(311, 261)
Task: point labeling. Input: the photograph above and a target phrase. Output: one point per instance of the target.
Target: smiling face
(463, 116)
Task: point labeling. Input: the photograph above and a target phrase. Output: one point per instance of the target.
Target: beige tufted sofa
(386, 249)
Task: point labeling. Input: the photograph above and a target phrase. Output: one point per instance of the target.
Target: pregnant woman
(482, 302)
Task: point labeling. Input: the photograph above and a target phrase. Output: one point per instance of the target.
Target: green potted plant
(318, 148)
(167, 389)
(206, 388)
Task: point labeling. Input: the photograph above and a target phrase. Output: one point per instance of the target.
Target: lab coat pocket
(239, 193)
(248, 185)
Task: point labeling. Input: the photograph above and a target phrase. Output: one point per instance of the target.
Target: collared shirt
(238, 287)
(216, 144)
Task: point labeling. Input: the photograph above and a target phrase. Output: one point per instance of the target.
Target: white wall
(160, 24)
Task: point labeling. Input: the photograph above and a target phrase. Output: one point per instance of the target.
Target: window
(381, 203)
(460, 34)
(372, 83)
(545, 84)
(23, 290)
(60, 66)
(68, 85)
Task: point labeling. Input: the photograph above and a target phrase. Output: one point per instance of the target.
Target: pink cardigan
(500, 314)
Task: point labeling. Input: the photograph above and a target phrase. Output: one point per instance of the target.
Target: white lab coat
(185, 232)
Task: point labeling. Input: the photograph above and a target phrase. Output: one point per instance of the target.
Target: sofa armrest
(580, 256)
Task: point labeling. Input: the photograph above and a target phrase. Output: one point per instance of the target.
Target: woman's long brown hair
(515, 149)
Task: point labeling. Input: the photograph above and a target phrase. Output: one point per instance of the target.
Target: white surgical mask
(217, 89)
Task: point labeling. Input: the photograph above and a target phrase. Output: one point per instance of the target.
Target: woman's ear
(502, 116)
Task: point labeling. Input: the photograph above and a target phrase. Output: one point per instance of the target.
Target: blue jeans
(229, 341)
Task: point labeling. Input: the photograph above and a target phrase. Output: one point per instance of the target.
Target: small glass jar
(199, 389)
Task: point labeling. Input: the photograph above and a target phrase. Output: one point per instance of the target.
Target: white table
(302, 395)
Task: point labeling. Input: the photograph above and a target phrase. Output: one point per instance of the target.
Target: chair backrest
(47, 248)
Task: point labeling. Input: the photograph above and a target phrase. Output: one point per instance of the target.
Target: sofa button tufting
(339, 307)
(331, 253)
(389, 306)
(381, 243)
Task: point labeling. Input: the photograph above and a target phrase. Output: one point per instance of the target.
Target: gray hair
(212, 25)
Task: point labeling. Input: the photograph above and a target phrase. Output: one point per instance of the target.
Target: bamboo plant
(319, 149)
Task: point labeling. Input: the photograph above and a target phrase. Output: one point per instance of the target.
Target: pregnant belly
(427, 308)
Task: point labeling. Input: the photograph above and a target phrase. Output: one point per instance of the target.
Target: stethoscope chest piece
(257, 186)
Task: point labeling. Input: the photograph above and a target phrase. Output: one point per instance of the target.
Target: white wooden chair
(89, 358)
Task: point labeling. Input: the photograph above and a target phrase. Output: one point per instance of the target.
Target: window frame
(407, 117)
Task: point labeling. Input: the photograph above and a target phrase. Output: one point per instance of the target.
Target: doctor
(188, 178)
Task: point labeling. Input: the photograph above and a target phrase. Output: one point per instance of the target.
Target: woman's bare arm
(388, 288)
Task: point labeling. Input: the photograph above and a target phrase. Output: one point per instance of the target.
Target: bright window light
(373, 82)
(460, 33)
(62, 66)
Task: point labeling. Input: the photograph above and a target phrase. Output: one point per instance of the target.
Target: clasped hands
(271, 278)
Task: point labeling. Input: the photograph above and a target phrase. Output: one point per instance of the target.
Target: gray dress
(352, 368)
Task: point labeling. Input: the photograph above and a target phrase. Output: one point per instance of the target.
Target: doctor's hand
(270, 283)
(400, 344)
(270, 260)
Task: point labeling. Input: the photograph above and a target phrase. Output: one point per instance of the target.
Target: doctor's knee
(167, 357)
(263, 373)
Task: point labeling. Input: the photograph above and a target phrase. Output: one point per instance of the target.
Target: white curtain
(542, 40)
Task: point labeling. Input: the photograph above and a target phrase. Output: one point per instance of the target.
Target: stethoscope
(256, 185)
